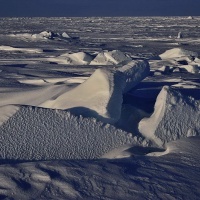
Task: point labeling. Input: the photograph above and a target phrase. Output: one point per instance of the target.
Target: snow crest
(175, 116)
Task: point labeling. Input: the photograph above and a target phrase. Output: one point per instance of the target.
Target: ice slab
(175, 116)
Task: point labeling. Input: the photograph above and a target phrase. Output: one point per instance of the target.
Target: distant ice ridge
(44, 35)
(175, 116)
(177, 53)
(114, 57)
(26, 50)
(42, 134)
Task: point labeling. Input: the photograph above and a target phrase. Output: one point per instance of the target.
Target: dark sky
(38, 8)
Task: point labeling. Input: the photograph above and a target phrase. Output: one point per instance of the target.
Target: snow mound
(175, 116)
(45, 35)
(134, 72)
(65, 35)
(79, 58)
(99, 96)
(194, 69)
(42, 134)
(114, 57)
(177, 53)
(25, 50)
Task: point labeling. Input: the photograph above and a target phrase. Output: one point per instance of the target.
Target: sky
(77, 8)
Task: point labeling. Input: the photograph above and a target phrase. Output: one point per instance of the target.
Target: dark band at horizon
(87, 8)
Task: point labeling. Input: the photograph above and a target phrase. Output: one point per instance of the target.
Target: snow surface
(172, 176)
(44, 134)
(90, 73)
(26, 50)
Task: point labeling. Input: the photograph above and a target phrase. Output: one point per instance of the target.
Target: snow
(99, 96)
(175, 116)
(65, 35)
(177, 53)
(172, 176)
(26, 50)
(86, 114)
(114, 57)
(79, 58)
(44, 134)
(194, 69)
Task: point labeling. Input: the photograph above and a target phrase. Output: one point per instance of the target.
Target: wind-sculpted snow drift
(100, 96)
(114, 57)
(175, 116)
(41, 134)
(34, 133)
(177, 53)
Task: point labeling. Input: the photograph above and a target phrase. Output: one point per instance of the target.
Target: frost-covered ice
(134, 71)
(175, 116)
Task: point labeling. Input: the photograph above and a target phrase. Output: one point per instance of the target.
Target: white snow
(172, 176)
(44, 134)
(65, 35)
(114, 57)
(134, 71)
(99, 96)
(194, 69)
(177, 53)
(15, 49)
(175, 116)
(85, 91)
(79, 58)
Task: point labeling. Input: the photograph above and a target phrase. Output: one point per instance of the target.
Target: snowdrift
(175, 116)
(42, 134)
(100, 96)
(79, 58)
(194, 69)
(16, 49)
(177, 53)
(114, 57)
(44, 35)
